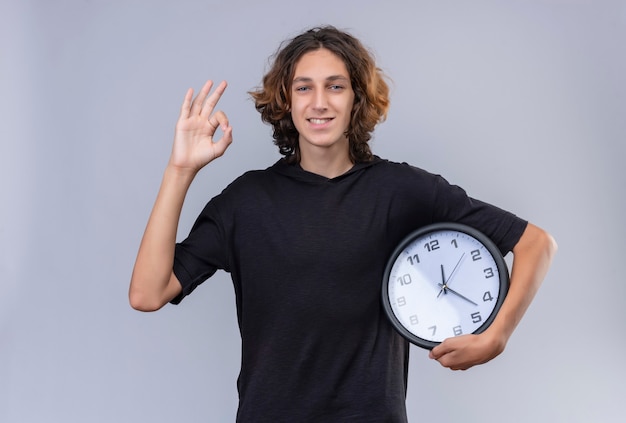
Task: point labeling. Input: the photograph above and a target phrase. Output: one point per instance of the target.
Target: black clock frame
(503, 273)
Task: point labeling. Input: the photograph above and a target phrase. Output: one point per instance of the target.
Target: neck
(326, 163)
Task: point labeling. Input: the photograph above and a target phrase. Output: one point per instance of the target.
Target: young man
(306, 241)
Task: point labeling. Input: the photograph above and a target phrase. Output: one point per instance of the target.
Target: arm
(153, 283)
(532, 257)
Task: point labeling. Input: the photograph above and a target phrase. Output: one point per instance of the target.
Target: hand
(194, 146)
(465, 351)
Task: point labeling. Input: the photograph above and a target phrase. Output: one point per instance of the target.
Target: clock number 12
(432, 245)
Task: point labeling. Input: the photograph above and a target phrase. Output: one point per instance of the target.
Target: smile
(319, 121)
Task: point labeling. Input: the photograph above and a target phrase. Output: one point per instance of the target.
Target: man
(306, 241)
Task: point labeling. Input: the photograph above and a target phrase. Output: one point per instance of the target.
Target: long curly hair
(371, 92)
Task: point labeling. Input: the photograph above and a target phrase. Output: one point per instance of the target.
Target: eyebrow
(330, 78)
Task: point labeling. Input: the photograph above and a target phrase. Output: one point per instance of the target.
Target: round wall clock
(444, 280)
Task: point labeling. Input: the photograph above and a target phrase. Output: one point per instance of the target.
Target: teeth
(318, 121)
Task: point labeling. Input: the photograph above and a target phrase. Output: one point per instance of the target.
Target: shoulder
(251, 180)
(401, 171)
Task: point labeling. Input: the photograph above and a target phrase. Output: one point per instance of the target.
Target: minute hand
(444, 281)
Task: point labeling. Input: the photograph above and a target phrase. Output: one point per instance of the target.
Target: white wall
(520, 102)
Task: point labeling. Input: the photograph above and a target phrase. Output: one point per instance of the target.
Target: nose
(320, 102)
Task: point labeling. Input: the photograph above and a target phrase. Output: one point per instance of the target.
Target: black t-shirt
(306, 255)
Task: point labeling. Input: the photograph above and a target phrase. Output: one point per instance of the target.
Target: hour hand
(446, 288)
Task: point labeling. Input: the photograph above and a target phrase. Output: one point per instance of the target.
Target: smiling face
(321, 103)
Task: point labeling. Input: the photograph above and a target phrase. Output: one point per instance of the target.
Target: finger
(219, 119)
(184, 109)
(211, 101)
(440, 350)
(449, 360)
(196, 106)
(220, 146)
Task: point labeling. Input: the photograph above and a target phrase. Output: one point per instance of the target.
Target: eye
(302, 88)
(336, 87)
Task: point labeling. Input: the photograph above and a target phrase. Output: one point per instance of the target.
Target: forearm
(152, 283)
(532, 257)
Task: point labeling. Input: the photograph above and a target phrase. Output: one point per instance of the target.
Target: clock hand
(455, 269)
(456, 293)
(443, 284)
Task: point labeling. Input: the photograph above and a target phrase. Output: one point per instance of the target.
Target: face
(321, 102)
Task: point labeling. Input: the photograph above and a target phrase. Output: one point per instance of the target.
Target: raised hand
(194, 146)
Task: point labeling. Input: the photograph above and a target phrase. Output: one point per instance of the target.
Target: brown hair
(371, 92)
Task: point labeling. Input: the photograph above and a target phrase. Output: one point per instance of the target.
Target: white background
(523, 103)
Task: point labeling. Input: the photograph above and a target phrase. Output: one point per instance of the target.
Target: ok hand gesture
(194, 146)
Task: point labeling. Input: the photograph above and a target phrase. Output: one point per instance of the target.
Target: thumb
(220, 146)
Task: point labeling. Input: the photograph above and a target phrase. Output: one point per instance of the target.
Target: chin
(326, 141)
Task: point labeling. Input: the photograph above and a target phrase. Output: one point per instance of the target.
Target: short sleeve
(452, 204)
(203, 252)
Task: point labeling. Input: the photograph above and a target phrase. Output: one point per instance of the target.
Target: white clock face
(443, 284)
